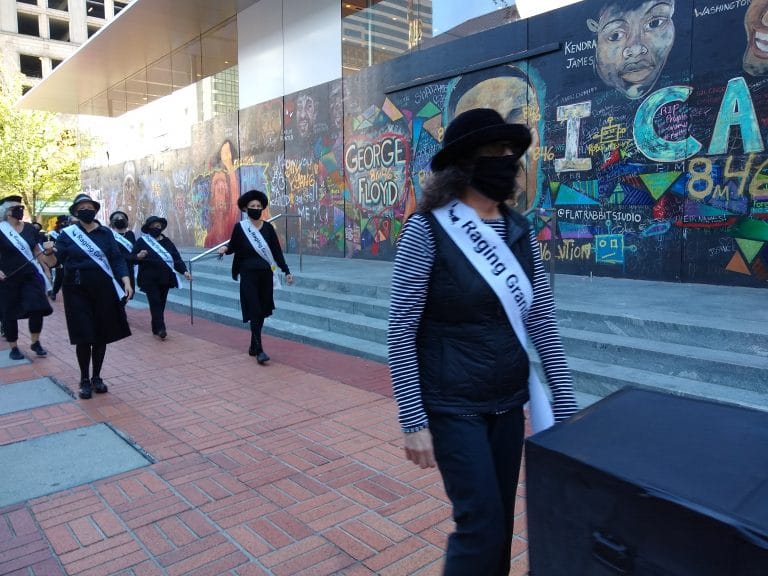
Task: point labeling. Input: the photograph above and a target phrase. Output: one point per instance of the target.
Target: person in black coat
(95, 287)
(118, 223)
(158, 261)
(22, 281)
(257, 255)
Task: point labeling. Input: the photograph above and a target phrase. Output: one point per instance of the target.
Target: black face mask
(494, 176)
(154, 232)
(254, 213)
(120, 223)
(16, 212)
(86, 215)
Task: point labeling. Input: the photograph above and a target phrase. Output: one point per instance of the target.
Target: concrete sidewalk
(292, 468)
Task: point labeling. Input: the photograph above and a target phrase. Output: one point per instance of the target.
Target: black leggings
(86, 352)
(11, 326)
(256, 325)
(157, 296)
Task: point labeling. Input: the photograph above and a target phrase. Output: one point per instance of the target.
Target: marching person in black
(257, 255)
(118, 223)
(159, 261)
(93, 298)
(22, 279)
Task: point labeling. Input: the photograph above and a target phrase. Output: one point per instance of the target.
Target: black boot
(85, 389)
(262, 357)
(98, 385)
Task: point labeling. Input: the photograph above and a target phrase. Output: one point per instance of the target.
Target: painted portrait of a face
(634, 39)
(306, 114)
(756, 23)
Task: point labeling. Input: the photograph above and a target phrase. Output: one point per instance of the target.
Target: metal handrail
(225, 243)
(542, 211)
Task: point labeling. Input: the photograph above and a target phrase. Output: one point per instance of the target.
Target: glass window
(95, 8)
(31, 66)
(28, 24)
(58, 29)
(62, 5)
(119, 6)
(55, 62)
(33, 2)
(92, 29)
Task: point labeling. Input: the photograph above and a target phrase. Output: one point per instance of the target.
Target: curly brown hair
(442, 187)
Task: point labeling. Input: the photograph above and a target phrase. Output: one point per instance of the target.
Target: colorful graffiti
(648, 162)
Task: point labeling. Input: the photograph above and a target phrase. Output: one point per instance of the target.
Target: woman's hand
(289, 279)
(142, 254)
(127, 288)
(418, 448)
(48, 248)
(2, 276)
(188, 276)
(223, 250)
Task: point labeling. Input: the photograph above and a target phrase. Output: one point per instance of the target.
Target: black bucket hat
(153, 220)
(13, 198)
(242, 202)
(475, 128)
(116, 212)
(79, 199)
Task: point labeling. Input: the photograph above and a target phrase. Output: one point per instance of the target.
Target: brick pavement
(291, 468)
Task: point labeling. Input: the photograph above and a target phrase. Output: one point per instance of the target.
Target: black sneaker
(52, 295)
(38, 349)
(162, 334)
(98, 385)
(85, 389)
(16, 354)
(262, 357)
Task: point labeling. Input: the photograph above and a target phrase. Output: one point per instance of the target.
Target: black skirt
(256, 297)
(23, 295)
(94, 313)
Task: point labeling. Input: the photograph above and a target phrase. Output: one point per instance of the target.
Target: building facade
(38, 35)
(649, 120)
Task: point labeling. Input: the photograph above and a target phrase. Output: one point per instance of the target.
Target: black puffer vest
(470, 360)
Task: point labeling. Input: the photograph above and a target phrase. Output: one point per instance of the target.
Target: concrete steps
(689, 354)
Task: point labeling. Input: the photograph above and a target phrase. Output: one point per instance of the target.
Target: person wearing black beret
(159, 264)
(96, 286)
(23, 281)
(257, 255)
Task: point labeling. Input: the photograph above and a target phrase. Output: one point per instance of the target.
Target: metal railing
(215, 249)
(553, 229)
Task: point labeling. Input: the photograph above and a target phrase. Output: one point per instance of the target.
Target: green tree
(40, 154)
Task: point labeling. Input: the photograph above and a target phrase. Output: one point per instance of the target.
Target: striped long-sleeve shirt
(410, 281)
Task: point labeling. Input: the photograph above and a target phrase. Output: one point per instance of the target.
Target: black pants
(58, 279)
(11, 326)
(157, 296)
(479, 459)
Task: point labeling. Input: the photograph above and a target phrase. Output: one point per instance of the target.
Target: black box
(645, 483)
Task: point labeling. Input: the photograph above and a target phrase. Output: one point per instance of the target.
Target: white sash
(262, 249)
(165, 256)
(53, 234)
(21, 245)
(127, 244)
(87, 245)
(496, 263)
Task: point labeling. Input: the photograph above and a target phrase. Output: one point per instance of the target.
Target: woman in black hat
(96, 286)
(257, 255)
(22, 278)
(159, 266)
(118, 223)
(468, 289)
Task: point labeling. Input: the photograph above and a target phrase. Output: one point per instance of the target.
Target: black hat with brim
(475, 128)
(79, 199)
(153, 220)
(243, 201)
(13, 198)
(116, 212)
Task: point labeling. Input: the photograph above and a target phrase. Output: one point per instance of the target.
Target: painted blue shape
(609, 249)
(418, 124)
(634, 196)
(736, 109)
(569, 196)
(570, 230)
(648, 142)
(587, 187)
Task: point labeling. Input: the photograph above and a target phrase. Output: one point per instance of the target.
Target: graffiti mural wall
(649, 122)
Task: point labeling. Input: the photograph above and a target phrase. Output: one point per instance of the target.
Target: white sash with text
(496, 263)
(21, 245)
(127, 244)
(165, 256)
(85, 244)
(262, 249)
